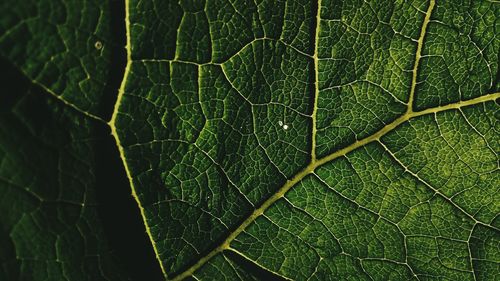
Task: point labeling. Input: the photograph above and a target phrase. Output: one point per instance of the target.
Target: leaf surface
(299, 140)
(50, 226)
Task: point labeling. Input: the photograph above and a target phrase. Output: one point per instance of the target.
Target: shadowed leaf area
(250, 140)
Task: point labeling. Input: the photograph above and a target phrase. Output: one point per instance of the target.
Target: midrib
(315, 163)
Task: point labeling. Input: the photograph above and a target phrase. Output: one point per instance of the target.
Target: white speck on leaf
(280, 123)
(98, 45)
(285, 127)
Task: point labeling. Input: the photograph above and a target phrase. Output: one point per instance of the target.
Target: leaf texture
(50, 227)
(287, 140)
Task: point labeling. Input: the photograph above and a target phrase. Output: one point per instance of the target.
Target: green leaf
(50, 226)
(68, 48)
(271, 140)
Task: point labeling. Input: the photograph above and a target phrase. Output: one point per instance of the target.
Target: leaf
(69, 49)
(50, 227)
(263, 140)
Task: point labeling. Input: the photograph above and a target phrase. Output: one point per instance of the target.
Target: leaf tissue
(249, 140)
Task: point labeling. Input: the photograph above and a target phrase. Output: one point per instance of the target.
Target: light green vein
(112, 124)
(418, 55)
(316, 82)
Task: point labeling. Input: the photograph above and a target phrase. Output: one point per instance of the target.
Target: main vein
(112, 124)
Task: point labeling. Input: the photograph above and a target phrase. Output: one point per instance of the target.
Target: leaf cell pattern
(298, 140)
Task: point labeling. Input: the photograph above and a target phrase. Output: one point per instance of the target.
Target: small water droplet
(98, 45)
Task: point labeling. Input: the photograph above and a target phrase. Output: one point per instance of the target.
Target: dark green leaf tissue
(250, 140)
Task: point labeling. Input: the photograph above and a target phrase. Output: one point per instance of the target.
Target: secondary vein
(316, 81)
(418, 55)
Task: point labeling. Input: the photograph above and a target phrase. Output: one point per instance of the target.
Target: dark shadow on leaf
(120, 214)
